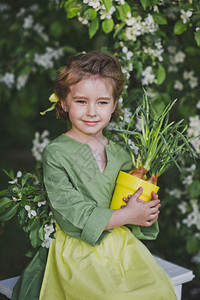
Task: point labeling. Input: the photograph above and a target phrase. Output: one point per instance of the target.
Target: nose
(91, 110)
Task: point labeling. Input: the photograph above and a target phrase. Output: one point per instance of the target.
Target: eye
(103, 102)
(81, 101)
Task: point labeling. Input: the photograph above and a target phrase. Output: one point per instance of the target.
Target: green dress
(84, 261)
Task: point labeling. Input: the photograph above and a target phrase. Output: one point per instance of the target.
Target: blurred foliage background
(157, 43)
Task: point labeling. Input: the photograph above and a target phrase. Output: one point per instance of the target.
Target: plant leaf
(159, 18)
(4, 203)
(10, 212)
(94, 26)
(179, 27)
(108, 25)
(197, 37)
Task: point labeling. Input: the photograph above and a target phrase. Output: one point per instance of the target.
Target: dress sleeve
(76, 215)
(145, 233)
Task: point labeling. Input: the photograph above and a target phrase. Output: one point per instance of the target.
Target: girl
(96, 254)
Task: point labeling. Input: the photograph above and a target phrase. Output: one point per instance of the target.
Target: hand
(139, 212)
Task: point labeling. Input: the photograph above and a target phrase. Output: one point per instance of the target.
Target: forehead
(93, 83)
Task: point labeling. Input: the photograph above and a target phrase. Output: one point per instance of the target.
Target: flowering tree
(157, 43)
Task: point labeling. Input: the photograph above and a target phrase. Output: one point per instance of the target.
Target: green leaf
(34, 238)
(194, 189)
(90, 14)
(10, 212)
(56, 29)
(179, 27)
(122, 11)
(145, 3)
(108, 4)
(10, 174)
(4, 203)
(72, 12)
(25, 178)
(35, 224)
(118, 28)
(159, 18)
(41, 233)
(192, 244)
(108, 25)
(3, 192)
(161, 74)
(30, 253)
(94, 26)
(197, 37)
(38, 198)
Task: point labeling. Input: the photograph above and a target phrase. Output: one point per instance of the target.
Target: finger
(122, 206)
(125, 199)
(154, 196)
(137, 194)
(153, 203)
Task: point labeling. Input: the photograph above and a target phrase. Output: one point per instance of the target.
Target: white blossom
(39, 143)
(179, 57)
(21, 81)
(187, 180)
(40, 31)
(171, 49)
(185, 15)
(176, 193)
(31, 212)
(194, 126)
(96, 4)
(147, 76)
(193, 82)
(8, 79)
(47, 241)
(28, 22)
(127, 115)
(133, 146)
(198, 104)
(193, 218)
(178, 85)
(183, 207)
(39, 204)
(156, 52)
(15, 180)
(104, 14)
(46, 60)
(48, 229)
(196, 258)
(4, 7)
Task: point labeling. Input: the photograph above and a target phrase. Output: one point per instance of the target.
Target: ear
(64, 105)
(114, 106)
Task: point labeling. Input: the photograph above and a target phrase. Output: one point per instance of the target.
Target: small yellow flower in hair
(54, 99)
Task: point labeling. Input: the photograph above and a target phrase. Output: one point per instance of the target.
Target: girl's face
(90, 105)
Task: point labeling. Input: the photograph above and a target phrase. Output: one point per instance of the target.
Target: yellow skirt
(120, 268)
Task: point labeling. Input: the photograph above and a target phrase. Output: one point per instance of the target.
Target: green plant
(26, 199)
(159, 145)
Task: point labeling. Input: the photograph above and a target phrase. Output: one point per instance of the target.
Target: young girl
(96, 254)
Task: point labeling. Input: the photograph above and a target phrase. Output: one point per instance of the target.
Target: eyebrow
(83, 97)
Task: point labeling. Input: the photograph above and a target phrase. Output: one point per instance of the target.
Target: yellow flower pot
(127, 184)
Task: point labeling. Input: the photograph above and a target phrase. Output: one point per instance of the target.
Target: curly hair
(83, 66)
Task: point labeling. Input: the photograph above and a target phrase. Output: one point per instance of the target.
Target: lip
(91, 123)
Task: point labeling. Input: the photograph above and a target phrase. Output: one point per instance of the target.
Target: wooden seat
(178, 275)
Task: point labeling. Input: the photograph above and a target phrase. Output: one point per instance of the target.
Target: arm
(75, 213)
(136, 212)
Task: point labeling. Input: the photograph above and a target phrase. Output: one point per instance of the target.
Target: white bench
(178, 275)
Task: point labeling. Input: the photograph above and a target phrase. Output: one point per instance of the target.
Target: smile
(91, 123)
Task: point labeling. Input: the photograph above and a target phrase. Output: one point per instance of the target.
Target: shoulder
(56, 147)
(117, 148)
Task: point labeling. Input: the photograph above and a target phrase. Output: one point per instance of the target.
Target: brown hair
(86, 65)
